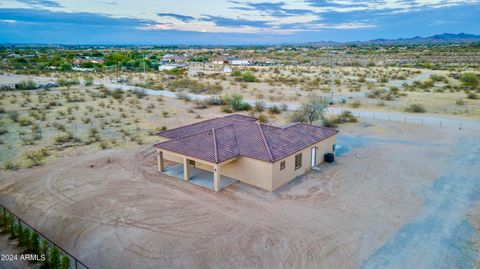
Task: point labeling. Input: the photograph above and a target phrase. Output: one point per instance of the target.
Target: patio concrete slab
(198, 176)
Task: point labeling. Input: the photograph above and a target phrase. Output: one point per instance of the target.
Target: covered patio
(188, 171)
(198, 177)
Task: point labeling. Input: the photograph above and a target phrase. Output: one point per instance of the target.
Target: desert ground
(398, 196)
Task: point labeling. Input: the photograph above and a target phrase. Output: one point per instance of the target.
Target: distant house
(239, 148)
(230, 61)
(173, 58)
(168, 67)
(92, 60)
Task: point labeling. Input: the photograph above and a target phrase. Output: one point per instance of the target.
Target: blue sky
(219, 22)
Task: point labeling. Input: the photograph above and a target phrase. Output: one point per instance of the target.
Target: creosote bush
(415, 108)
(36, 157)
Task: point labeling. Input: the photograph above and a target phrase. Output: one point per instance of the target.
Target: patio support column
(216, 177)
(186, 170)
(160, 161)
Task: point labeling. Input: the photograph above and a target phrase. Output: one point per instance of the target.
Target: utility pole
(332, 83)
(144, 74)
(116, 70)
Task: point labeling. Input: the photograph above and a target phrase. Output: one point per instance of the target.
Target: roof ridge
(186, 136)
(265, 141)
(188, 125)
(320, 127)
(194, 134)
(215, 152)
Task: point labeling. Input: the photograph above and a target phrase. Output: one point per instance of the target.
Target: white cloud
(307, 21)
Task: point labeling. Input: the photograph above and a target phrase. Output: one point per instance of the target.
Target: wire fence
(405, 119)
(74, 262)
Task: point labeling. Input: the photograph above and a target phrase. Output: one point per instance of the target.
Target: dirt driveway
(126, 215)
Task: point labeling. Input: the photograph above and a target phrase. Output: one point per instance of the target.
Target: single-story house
(229, 60)
(173, 58)
(238, 147)
(169, 67)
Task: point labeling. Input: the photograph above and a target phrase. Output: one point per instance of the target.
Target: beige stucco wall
(262, 174)
(251, 171)
(281, 177)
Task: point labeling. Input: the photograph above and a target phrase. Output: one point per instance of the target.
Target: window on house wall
(298, 161)
(282, 165)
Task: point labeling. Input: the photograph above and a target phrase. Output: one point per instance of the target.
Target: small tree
(235, 101)
(26, 237)
(12, 227)
(3, 220)
(65, 262)
(54, 258)
(34, 244)
(311, 110)
(44, 251)
(19, 232)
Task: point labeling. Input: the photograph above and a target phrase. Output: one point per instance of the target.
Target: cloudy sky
(230, 22)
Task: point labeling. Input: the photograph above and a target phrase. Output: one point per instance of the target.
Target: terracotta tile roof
(219, 139)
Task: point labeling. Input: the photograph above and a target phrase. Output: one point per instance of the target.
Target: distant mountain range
(442, 38)
(435, 39)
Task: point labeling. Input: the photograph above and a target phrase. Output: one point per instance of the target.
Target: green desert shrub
(26, 85)
(64, 137)
(36, 157)
(3, 130)
(356, 104)
(14, 116)
(473, 96)
(470, 80)
(235, 101)
(327, 122)
(24, 121)
(344, 117)
(183, 96)
(262, 118)
(415, 108)
(117, 94)
(259, 106)
(274, 110)
(248, 77)
(10, 165)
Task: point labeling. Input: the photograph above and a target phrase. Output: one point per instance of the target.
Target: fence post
(422, 122)
(374, 115)
(441, 123)
(460, 126)
(5, 216)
